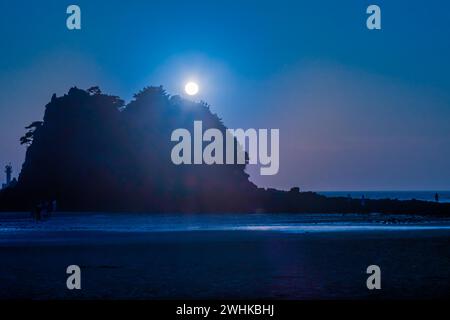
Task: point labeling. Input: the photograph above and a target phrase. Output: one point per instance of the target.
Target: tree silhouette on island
(92, 152)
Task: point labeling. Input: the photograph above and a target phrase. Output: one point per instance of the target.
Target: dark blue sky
(356, 109)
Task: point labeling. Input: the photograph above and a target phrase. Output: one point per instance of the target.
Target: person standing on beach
(53, 205)
(38, 212)
(436, 197)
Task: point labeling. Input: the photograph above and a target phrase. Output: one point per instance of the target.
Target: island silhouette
(93, 152)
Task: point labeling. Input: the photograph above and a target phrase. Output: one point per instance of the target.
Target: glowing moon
(191, 88)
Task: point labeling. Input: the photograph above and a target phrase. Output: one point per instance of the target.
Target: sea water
(291, 223)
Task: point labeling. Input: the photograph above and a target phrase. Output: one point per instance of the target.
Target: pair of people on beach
(44, 209)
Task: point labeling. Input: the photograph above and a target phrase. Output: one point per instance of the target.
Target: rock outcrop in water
(93, 153)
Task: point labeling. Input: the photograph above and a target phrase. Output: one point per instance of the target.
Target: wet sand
(225, 264)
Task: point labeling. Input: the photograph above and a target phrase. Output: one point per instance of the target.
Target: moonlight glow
(191, 88)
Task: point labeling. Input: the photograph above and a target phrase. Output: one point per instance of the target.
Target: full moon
(191, 88)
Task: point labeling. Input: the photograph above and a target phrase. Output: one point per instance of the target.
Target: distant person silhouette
(51, 207)
(38, 212)
(436, 197)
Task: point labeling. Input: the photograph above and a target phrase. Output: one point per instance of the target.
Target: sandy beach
(223, 264)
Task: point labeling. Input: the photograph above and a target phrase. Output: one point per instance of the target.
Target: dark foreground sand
(226, 264)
